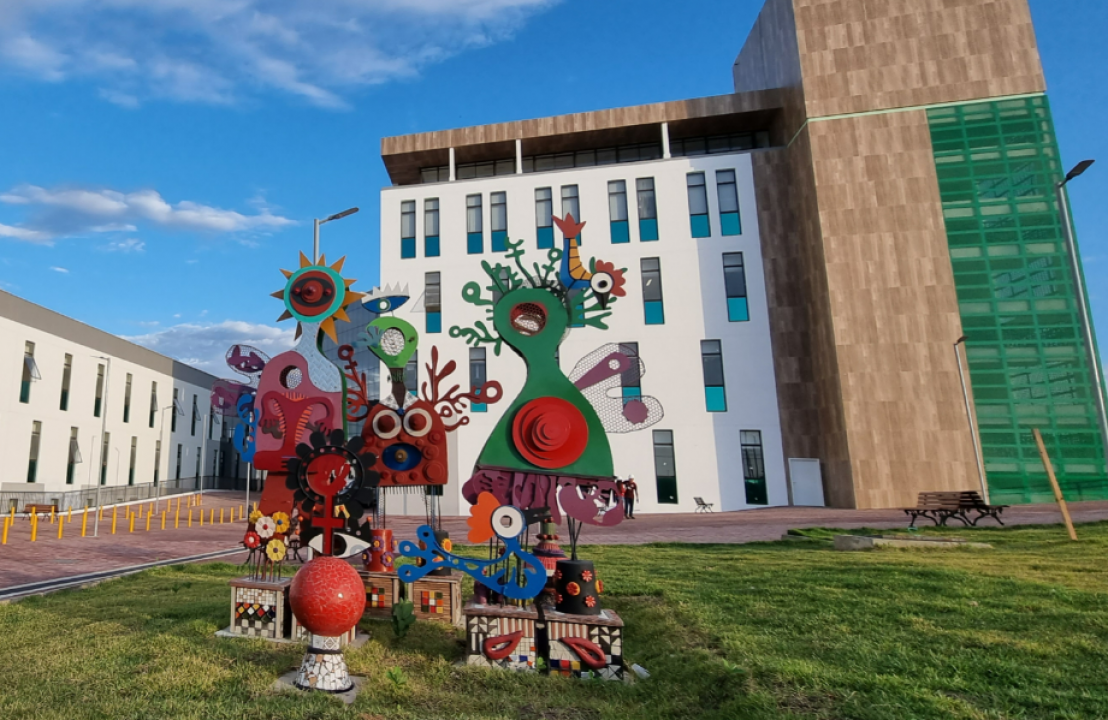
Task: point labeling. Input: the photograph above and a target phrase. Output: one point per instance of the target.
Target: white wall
(707, 450)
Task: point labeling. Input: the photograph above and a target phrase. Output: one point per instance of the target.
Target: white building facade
(686, 230)
(82, 408)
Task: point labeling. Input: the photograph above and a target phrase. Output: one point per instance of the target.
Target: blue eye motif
(386, 298)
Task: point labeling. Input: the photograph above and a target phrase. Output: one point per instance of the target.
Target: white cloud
(69, 212)
(129, 245)
(57, 269)
(205, 346)
(214, 51)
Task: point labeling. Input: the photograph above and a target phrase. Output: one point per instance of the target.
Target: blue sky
(161, 159)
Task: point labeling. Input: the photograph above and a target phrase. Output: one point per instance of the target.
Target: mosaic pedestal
(500, 636)
(323, 667)
(438, 598)
(259, 608)
(382, 590)
(586, 645)
(300, 633)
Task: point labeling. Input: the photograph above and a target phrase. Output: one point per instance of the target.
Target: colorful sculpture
(328, 599)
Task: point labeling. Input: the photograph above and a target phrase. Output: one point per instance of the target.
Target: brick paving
(22, 561)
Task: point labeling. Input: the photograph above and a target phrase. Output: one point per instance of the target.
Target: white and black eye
(417, 422)
(602, 282)
(507, 521)
(386, 424)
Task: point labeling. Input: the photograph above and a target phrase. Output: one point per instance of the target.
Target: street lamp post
(315, 238)
(1082, 300)
(972, 425)
(103, 432)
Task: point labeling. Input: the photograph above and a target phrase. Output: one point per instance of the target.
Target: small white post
(451, 164)
(519, 156)
(665, 141)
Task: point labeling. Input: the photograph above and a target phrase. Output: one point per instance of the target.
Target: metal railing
(115, 494)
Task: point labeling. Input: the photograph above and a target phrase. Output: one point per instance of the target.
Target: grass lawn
(772, 630)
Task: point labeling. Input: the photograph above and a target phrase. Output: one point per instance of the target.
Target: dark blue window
(407, 229)
(648, 210)
(734, 281)
(478, 375)
(715, 393)
(475, 235)
(431, 227)
(432, 302)
(498, 210)
(698, 206)
(617, 211)
(653, 308)
(544, 222)
(729, 223)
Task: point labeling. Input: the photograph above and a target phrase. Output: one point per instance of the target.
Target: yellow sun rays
(327, 325)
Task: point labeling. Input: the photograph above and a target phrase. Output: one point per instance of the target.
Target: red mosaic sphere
(327, 596)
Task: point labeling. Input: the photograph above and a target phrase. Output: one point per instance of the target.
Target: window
(105, 448)
(67, 374)
(173, 413)
(718, 144)
(648, 209)
(498, 207)
(30, 372)
(652, 291)
(591, 158)
(728, 194)
(211, 424)
(157, 460)
(754, 467)
(630, 380)
(407, 229)
(195, 415)
(544, 218)
(431, 227)
(475, 230)
(127, 399)
(98, 404)
(411, 373)
(734, 282)
(715, 395)
(198, 468)
(432, 302)
(698, 206)
(74, 456)
(153, 402)
(131, 464)
(665, 467)
(478, 375)
(32, 462)
(617, 211)
(571, 204)
(179, 451)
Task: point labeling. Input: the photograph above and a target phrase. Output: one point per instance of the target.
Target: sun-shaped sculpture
(318, 294)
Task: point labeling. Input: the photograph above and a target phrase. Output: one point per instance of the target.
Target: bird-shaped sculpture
(604, 279)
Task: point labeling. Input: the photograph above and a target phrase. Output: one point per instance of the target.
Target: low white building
(81, 407)
(684, 226)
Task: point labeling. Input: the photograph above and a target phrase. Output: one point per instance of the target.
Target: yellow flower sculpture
(281, 520)
(255, 516)
(275, 550)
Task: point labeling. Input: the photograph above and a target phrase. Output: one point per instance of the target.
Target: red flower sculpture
(573, 589)
(251, 540)
(590, 601)
(618, 279)
(587, 575)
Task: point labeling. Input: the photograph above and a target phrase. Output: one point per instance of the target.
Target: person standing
(630, 494)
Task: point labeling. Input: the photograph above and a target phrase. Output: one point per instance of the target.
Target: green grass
(774, 630)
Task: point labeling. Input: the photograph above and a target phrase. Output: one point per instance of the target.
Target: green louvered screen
(997, 164)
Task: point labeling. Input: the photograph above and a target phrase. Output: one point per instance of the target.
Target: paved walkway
(22, 561)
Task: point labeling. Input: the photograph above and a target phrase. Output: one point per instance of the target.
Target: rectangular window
(475, 229)
(698, 206)
(98, 404)
(173, 412)
(754, 467)
(430, 227)
(544, 218)
(211, 424)
(653, 309)
(665, 467)
(571, 204)
(407, 229)
(195, 415)
(153, 402)
(32, 463)
(498, 217)
(432, 302)
(67, 374)
(198, 468)
(617, 211)
(728, 193)
(30, 372)
(715, 393)
(630, 380)
(105, 448)
(131, 464)
(648, 210)
(411, 373)
(74, 457)
(127, 399)
(179, 451)
(157, 460)
(478, 375)
(734, 282)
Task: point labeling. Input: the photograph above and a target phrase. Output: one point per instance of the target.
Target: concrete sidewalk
(22, 561)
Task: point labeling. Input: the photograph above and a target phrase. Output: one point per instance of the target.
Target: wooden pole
(1054, 483)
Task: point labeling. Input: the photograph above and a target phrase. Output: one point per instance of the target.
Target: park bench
(36, 508)
(702, 506)
(941, 506)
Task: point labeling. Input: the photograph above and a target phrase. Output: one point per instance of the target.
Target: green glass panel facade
(997, 164)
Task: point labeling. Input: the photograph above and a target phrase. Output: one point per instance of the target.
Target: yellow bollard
(201, 518)
(51, 514)
(163, 519)
(178, 503)
(113, 521)
(131, 526)
(61, 524)
(84, 522)
(4, 536)
(220, 515)
(69, 517)
(190, 517)
(211, 517)
(34, 527)
(148, 516)
(177, 517)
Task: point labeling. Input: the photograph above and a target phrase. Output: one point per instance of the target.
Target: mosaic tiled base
(382, 590)
(299, 632)
(323, 667)
(574, 640)
(507, 633)
(259, 608)
(438, 598)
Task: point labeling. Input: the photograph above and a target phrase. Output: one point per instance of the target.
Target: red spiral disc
(550, 432)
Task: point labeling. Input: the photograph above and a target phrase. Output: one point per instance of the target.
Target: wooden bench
(938, 507)
(36, 508)
(702, 506)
